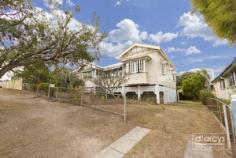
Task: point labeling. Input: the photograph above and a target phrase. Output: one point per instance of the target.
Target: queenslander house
(147, 69)
(224, 85)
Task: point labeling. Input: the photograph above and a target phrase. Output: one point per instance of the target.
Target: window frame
(222, 84)
(231, 79)
(140, 67)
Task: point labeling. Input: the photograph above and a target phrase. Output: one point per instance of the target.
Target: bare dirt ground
(35, 128)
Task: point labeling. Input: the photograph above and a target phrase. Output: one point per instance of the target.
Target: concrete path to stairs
(120, 147)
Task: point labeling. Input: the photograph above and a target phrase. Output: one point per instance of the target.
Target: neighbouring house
(147, 69)
(224, 85)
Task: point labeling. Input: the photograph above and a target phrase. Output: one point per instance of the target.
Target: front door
(161, 94)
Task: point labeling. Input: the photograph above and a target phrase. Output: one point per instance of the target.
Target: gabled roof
(163, 54)
(226, 70)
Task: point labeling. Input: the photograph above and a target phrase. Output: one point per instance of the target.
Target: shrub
(226, 101)
(205, 94)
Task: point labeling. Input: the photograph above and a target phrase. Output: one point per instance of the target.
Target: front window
(222, 84)
(131, 66)
(231, 79)
(164, 68)
(140, 65)
(135, 66)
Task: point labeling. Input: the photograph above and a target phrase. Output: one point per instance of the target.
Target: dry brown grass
(33, 127)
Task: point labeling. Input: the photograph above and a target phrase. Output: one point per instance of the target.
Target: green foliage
(220, 15)
(41, 41)
(192, 85)
(63, 77)
(204, 94)
(77, 82)
(39, 74)
(181, 78)
(34, 74)
(226, 101)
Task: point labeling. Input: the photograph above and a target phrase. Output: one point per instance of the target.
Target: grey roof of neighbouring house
(226, 70)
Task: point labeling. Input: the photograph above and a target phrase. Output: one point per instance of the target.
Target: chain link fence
(65, 94)
(98, 100)
(223, 113)
(40, 89)
(216, 106)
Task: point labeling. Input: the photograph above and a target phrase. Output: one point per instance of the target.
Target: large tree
(181, 78)
(220, 15)
(193, 84)
(30, 35)
(35, 74)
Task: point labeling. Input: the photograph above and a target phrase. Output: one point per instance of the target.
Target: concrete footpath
(120, 147)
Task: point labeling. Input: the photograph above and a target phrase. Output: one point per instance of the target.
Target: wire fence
(112, 103)
(229, 126)
(96, 99)
(216, 106)
(65, 94)
(224, 115)
(40, 89)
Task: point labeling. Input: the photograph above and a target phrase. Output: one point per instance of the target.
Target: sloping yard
(35, 128)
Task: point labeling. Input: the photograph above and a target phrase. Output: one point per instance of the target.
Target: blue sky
(185, 37)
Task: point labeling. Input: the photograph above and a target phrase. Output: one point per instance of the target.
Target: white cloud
(118, 3)
(56, 16)
(52, 4)
(126, 30)
(113, 49)
(192, 50)
(127, 33)
(174, 49)
(162, 37)
(193, 26)
(188, 51)
(70, 2)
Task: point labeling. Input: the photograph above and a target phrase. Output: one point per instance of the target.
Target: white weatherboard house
(225, 84)
(147, 69)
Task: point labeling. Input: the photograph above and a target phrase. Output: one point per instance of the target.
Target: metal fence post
(227, 127)
(232, 124)
(81, 97)
(57, 93)
(106, 93)
(37, 90)
(49, 88)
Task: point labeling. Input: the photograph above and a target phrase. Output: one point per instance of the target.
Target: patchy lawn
(33, 127)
